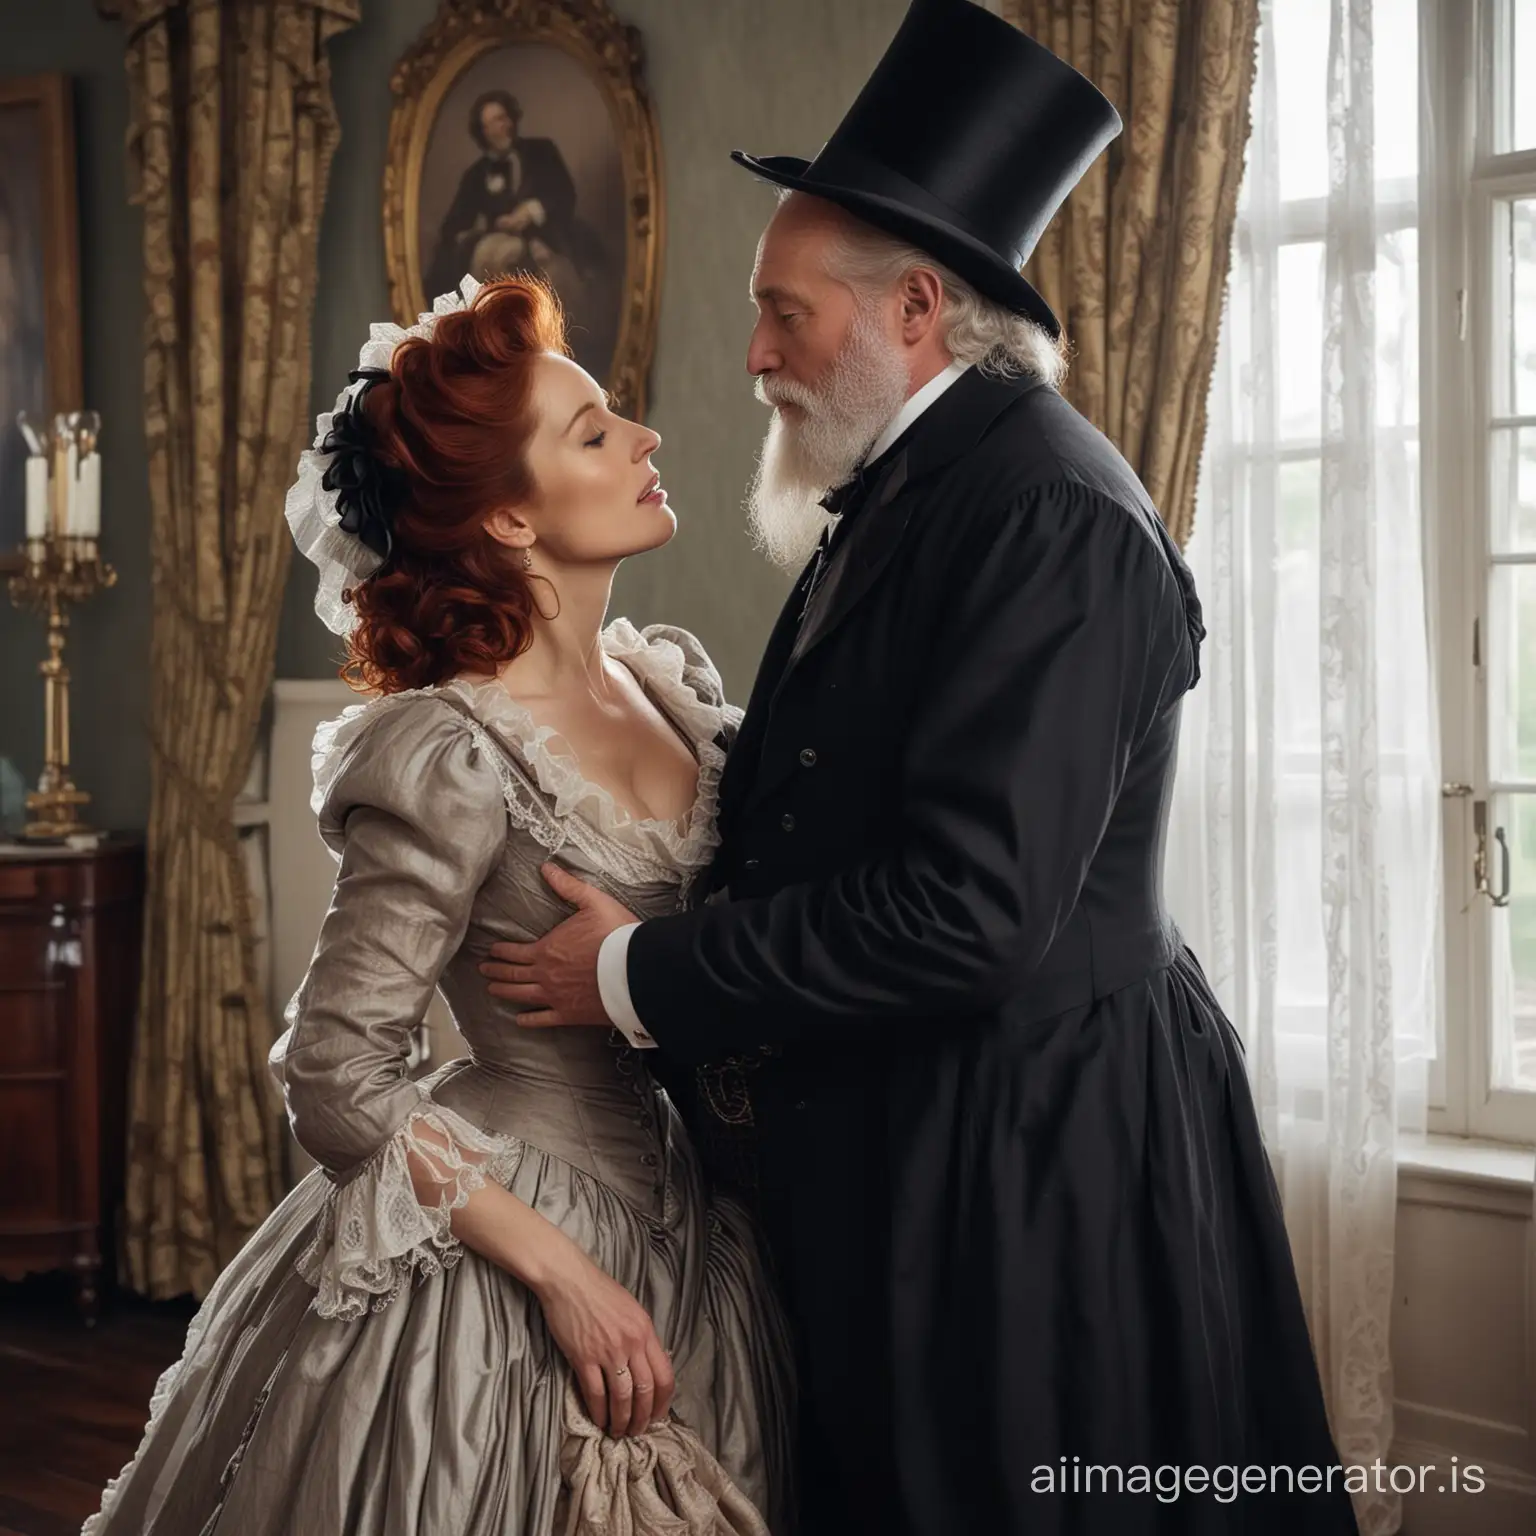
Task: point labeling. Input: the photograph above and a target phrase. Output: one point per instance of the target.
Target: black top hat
(965, 141)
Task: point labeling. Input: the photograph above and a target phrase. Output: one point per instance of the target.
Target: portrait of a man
(515, 205)
(522, 173)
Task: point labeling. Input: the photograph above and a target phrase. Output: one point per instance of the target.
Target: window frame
(1462, 183)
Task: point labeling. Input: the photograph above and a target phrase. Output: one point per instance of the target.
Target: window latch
(1480, 884)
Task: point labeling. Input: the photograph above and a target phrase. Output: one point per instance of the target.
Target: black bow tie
(837, 499)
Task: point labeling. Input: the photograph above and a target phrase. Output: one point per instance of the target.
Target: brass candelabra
(60, 569)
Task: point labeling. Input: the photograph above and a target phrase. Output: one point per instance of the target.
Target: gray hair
(977, 331)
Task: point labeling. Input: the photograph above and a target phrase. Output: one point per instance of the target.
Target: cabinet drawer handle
(63, 952)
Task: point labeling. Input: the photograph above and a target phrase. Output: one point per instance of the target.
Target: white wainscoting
(303, 871)
(1464, 1345)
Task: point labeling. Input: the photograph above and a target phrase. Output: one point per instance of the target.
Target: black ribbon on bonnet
(368, 491)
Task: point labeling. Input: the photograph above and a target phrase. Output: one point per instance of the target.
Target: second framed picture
(523, 140)
(39, 279)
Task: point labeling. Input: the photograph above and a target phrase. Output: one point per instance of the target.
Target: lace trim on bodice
(545, 791)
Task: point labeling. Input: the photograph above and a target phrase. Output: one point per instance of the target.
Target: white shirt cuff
(613, 986)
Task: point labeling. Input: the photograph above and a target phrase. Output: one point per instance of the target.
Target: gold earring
(527, 559)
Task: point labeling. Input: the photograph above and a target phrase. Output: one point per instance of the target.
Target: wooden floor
(73, 1400)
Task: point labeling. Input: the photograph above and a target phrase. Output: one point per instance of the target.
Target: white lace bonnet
(314, 518)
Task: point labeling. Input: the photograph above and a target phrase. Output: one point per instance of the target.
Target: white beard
(808, 452)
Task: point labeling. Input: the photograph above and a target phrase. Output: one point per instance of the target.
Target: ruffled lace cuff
(375, 1235)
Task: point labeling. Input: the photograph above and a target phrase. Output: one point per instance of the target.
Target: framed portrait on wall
(522, 139)
(39, 279)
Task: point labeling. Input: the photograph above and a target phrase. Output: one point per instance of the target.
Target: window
(1480, 301)
(1428, 382)
(1308, 391)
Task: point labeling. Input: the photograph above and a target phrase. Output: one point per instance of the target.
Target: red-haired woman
(503, 1304)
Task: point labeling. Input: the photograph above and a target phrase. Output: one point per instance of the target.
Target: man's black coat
(1007, 1162)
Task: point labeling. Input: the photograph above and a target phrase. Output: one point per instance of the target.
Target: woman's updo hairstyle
(454, 419)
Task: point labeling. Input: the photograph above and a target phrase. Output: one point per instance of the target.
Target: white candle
(72, 505)
(37, 496)
(90, 496)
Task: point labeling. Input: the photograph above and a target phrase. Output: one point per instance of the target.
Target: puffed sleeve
(701, 675)
(1066, 636)
(415, 812)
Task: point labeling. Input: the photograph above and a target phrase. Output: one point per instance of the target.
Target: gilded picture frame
(40, 368)
(593, 179)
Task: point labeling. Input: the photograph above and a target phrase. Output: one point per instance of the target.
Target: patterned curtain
(230, 142)
(1135, 264)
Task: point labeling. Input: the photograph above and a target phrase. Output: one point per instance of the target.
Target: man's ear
(922, 298)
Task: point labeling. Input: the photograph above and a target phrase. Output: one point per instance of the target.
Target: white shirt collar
(914, 408)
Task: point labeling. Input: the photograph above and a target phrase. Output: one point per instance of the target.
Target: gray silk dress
(356, 1372)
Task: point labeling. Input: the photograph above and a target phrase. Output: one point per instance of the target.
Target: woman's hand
(624, 1374)
(608, 1337)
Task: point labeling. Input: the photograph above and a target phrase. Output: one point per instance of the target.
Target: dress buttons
(648, 1159)
(787, 822)
(799, 1103)
(751, 863)
(808, 757)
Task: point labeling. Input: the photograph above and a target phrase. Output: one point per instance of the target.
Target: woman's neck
(566, 652)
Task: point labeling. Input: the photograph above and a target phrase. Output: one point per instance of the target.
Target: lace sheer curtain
(1304, 859)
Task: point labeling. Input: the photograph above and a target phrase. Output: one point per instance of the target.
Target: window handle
(1502, 899)
(1499, 898)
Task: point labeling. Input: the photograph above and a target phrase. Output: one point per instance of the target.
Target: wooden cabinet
(70, 925)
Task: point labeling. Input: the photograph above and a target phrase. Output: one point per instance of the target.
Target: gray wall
(724, 74)
(108, 652)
